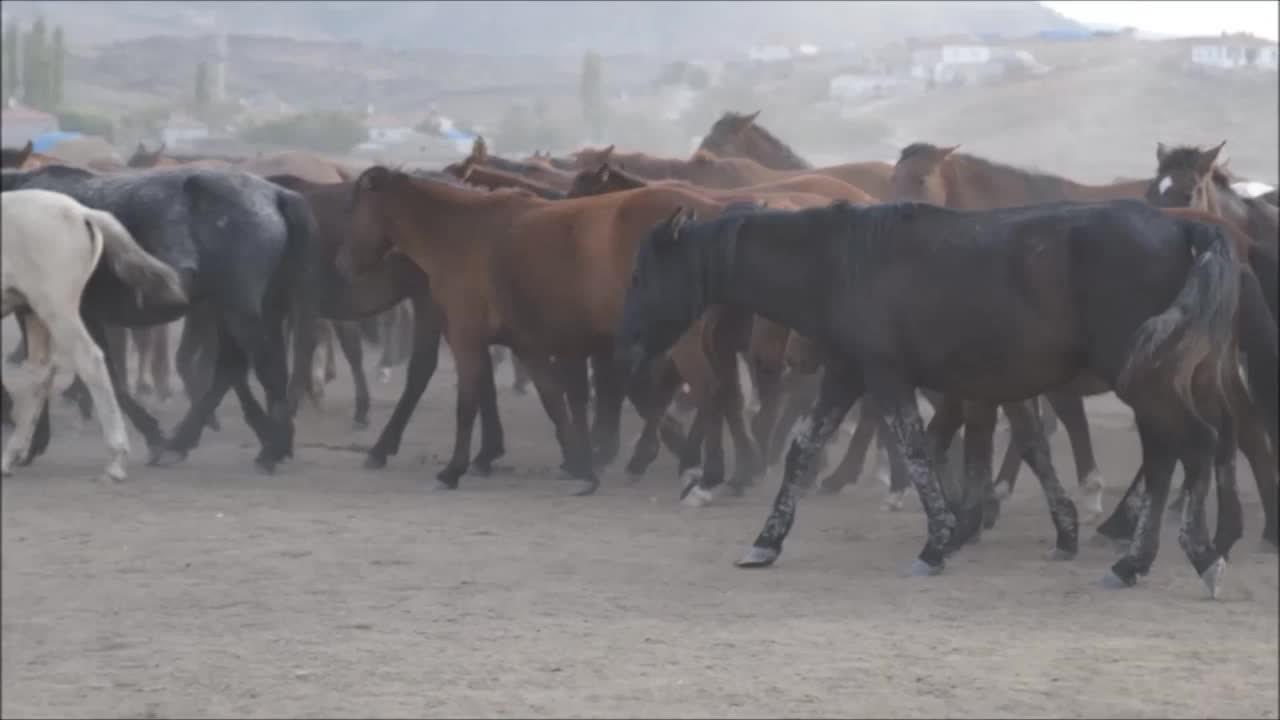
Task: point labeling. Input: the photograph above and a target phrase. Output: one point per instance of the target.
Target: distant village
(851, 77)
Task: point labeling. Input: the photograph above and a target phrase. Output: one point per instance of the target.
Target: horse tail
(135, 266)
(1259, 341)
(1197, 332)
(299, 275)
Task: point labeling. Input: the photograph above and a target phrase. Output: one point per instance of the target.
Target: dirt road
(208, 590)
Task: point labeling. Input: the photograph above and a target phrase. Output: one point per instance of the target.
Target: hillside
(549, 28)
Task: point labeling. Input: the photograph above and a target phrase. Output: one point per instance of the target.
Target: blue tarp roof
(456, 134)
(42, 143)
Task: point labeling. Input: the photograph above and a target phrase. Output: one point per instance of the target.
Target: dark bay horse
(239, 244)
(1188, 177)
(944, 177)
(990, 306)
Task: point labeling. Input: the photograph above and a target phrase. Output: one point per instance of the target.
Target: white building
(1235, 56)
(19, 124)
(183, 130)
(388, 130)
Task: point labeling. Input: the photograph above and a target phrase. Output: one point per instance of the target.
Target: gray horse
(239, 243)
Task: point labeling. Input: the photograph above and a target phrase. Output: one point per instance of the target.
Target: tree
(202, 85)
(56, 61)
(591, 92)
(35, 74)
(11, 47)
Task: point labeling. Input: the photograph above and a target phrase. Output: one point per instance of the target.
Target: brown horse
(1188, 177)
(538, 171)
(143, 159)
(737, 135)
(25, 158)
(473, 172)
(545, 278)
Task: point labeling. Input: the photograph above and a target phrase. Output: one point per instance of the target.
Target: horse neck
(774, 266)
(441, 220)
(774, 157)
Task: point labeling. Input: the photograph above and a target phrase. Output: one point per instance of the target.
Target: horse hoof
(758, 557)
(1212, 577)
(920, 568)
(689, 479)
(164, 457)
(586, 487)
(266, 467)
(449, 478)
(375, 461)
(1058, 555)
(697, 497)
(481, 468)
(893, 503)
(632, 479)
(111, 477)
(1111, 581)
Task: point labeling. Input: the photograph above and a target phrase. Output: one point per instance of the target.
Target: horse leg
(349, 342)
(1027, 432)
(1253, 441)
(29, 404)
(520, 376)
(196, 357)
(856, 454)
(551, 392)
(841, 387)
(1230, 514)
(801, 394)
(229, 367)
(652, 401)
(471, 358)
(70, 334)
(979, 436)
(573, 375)
(609, 382)
(491, 441)
(142, 340)
(427, 324)
(261, 338)
(138, 415)
(161, 362)
(1069, 408)
(767, 381)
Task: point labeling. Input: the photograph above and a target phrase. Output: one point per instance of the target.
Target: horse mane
(1040, 183)
(783, 149)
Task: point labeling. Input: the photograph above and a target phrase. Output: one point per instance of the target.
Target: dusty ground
(207, 590)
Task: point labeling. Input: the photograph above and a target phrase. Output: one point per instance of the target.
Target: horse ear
(1204, 165)
(606, 153)
(944, 153)
(749, 118)
(1162, 152)
(479, 148)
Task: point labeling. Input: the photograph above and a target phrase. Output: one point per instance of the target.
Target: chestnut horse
(737, 135)
(545, 278)
(537, 171)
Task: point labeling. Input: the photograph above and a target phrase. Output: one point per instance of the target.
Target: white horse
(51, 246)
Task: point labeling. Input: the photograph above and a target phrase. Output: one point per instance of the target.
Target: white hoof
(1090, 497)
(893, 503)
(697, 497)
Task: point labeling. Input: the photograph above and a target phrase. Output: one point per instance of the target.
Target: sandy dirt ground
(209, 590)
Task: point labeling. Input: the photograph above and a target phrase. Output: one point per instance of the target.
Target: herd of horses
(616, 276)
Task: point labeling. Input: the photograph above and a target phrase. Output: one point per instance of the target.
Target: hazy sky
(1259, 17)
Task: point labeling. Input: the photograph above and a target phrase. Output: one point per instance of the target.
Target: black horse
(993, 307)
(240, 245)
